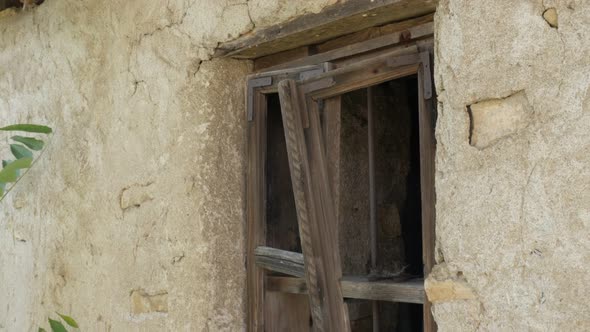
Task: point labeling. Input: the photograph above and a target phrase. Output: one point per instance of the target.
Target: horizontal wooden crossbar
(358, 287)
(355, 287)
(282, 261)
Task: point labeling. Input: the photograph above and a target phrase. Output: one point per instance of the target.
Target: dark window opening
(282, 231)
(397, 194)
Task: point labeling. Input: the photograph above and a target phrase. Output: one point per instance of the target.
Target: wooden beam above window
(335, 21)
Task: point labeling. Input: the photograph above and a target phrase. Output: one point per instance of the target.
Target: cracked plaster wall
(133, 219)
(513, 217)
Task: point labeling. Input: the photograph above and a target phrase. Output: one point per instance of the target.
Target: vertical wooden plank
(324, 236)
(256, 193)
(331, 127)
(427, 172)
(290, 312)
(315, 210)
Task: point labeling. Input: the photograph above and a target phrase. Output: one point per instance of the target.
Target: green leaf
(30, 128)
(6, 162)
(71, 322)
(31, 143)
(41, 330)
(19, 151)
(2, 188)
(9, 173)
(57, 326)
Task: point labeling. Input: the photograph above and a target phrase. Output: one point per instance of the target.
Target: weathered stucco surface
(513, 217)
(133, 219)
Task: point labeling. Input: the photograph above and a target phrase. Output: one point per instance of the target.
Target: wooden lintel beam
(334, 21)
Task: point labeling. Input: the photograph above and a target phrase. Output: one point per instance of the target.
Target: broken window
(341, 194)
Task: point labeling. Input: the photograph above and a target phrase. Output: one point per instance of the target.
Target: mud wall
(133, 218)
(512, 174)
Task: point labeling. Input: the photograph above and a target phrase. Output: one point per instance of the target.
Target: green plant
(11, 173)
(23, 150)
(58, 326)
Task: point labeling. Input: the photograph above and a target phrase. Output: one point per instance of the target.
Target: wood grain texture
(325, 237)
(315, 210)
(401, 31)
(291, 312)
(309, 173)
(281, 57)
(300, 177)
(331, 126)
(261, 315)
(363, 47)
(282, 261)
(337, 20)
(255, 216)
(409, 291)
(365, 73)
(427, 172)
(358, 287)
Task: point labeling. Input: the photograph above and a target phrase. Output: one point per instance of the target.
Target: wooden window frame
(259, 86)
(322, 85)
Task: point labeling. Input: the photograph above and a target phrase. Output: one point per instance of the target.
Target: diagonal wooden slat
(315, 211)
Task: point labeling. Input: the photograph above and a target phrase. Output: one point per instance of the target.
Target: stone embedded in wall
(494, 119)
(550, 15)
(448, 290)
(143, 302)
(137, 194)
(442, 285)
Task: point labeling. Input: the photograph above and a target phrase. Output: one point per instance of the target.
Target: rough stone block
(142, 302)
(550, 15)
(494, 119)
(448, 290)
(443, 285)
(137, 194)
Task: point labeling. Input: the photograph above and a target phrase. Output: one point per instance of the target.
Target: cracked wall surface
(133, 219)
(513, 210)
